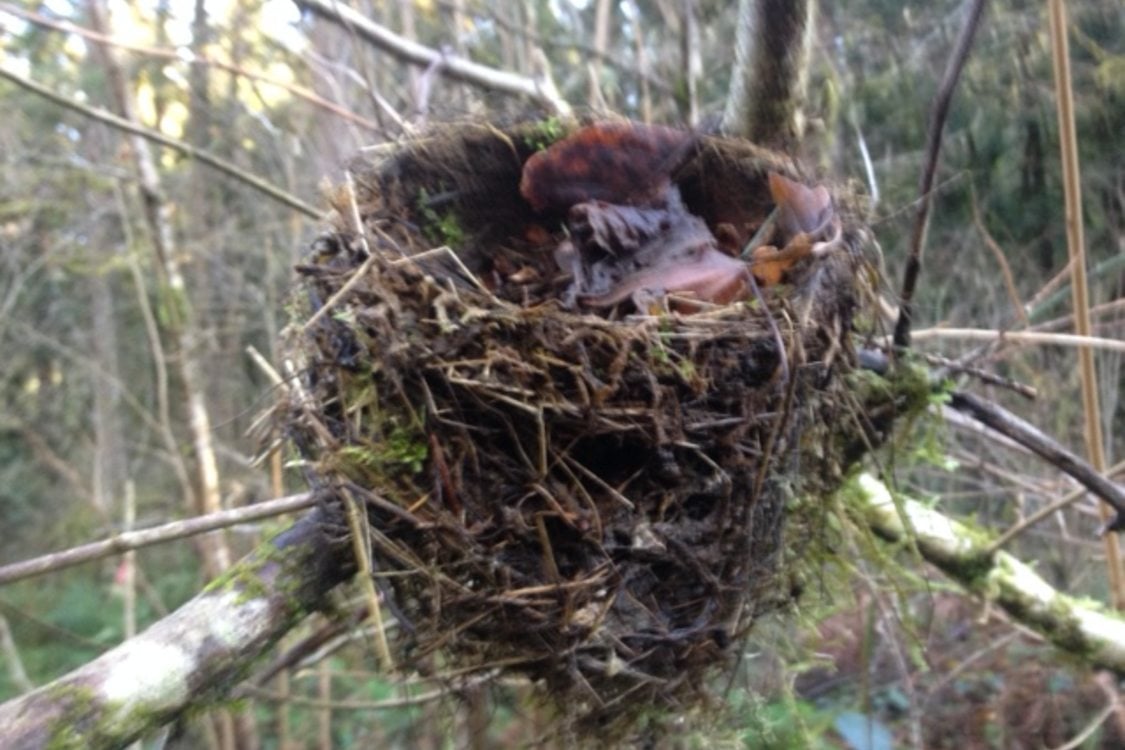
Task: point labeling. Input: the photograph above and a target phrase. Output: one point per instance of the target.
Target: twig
(209, 643)
(1080, 739)
(1029, 436)
(1097, 311)
(568, 44)
(362, 550)
(156, 535)
(361, 705)
(1054, 292)
(1001, 259)
(360, 273)
(1027, 337)
(951, 365)
(306, 647)
(542, 91)
(933, 148)
(1048, 510)
(186, 149)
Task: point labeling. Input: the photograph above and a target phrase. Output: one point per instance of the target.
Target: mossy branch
(188, 660)
(1079, 627)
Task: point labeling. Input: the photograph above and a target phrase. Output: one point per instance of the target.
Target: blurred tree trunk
(182, 323)
(771, 55)
(692, 60)
(109, 444)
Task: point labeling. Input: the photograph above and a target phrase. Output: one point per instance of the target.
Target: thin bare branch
(188, 660)
(1048, 510)
(16, 672)
(1001, 260)
(1029, 436)
(938, 116)
(539, 90)
(1020, 337)
(108, 118)
(383, 705)
(132, 540)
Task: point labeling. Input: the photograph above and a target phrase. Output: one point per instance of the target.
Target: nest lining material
(604, 503)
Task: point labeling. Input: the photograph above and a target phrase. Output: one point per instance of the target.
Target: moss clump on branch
(599, 502)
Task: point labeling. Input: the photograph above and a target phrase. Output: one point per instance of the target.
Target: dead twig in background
(1047, 448)
(541, 90)
(108, 118)
(156, 535)
(1047, 510)
(1021, 337)
(16, 672)
(938, 117)
(1001, 258)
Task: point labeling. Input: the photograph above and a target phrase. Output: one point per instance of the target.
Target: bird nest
(597, 482)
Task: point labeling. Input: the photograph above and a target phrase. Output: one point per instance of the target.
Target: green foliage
(782, 724)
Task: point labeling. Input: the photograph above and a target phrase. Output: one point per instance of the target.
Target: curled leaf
(800, 208)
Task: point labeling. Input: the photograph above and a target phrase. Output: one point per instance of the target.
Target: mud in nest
(602, 499)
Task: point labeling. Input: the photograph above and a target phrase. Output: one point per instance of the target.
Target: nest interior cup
(603, 500)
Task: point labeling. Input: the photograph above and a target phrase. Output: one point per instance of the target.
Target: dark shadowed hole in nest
(603, 503)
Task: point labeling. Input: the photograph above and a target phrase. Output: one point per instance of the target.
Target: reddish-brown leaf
(622, 163)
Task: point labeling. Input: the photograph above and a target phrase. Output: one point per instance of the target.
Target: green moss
(395, 444)
(245, 577)
(81, 702)
(545, 132)
(1059, 623)
(401, 450)
(908, 385)
(441, 227)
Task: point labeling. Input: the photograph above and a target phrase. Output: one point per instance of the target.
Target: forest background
(116, 344)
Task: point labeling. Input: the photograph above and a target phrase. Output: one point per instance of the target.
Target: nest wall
(604, 504)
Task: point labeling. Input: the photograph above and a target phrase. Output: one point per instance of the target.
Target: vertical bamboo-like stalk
(1076, 250)
(109, 442)
(128, 566)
